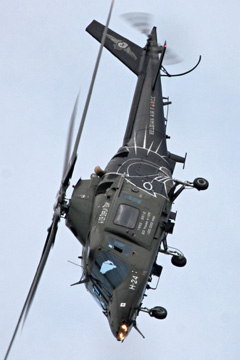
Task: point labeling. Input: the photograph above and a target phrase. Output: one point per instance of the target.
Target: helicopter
(122, 215)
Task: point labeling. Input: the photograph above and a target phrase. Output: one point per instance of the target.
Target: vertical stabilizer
(125, 50)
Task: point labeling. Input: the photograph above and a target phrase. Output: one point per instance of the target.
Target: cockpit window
(109, 272)
(126, 216)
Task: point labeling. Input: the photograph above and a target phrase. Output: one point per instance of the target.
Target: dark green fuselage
(121, 217)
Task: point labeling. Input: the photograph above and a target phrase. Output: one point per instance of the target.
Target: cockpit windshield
(108, 272)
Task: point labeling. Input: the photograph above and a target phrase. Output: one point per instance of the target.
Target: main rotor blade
(52, 230)
(46, 250)
(70, 135)
(67, 173)
(69, 170)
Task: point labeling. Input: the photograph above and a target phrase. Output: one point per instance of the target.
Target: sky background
(46, 57)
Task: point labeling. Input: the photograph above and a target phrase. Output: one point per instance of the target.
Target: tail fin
(126, 51)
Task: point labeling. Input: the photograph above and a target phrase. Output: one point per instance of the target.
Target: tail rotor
(142, 22)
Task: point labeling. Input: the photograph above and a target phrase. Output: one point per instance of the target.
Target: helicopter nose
(120, 330)
(120, 314)
(120, 324)
(122, 333)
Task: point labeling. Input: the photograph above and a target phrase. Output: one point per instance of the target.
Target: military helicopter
(122, 215)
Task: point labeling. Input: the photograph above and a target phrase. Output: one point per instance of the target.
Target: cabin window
(132, 198)
(119, 246)
(126, 216)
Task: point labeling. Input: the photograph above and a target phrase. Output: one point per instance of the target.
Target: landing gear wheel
(179, 261)
(158, 312)
(200, 184)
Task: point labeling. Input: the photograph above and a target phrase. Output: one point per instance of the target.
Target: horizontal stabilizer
(125, 50)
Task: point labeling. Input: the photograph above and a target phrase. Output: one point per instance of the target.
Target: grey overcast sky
(46, 56)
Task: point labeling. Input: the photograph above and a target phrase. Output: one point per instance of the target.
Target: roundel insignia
(122, 44)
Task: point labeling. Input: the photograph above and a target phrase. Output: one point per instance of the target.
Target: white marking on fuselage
(145, 138)
(147, 186)
(135, 144)
(150, 147)
(158, 147)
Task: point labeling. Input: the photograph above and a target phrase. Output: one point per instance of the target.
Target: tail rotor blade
(139, 20)
(143, 23)
(171, 58)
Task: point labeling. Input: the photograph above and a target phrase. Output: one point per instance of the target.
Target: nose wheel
(158, 312)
